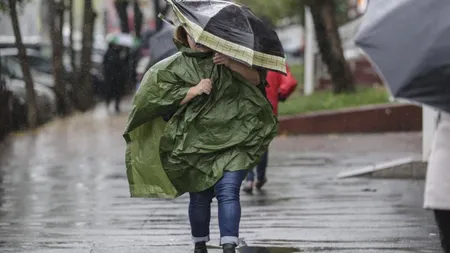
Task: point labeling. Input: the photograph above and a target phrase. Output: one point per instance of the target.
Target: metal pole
(309, 52)
(429, 124)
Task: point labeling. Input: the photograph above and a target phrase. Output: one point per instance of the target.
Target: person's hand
(281, 98)
(203, 87)
(221, 59)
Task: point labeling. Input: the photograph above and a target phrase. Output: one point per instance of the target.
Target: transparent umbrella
(122, 39)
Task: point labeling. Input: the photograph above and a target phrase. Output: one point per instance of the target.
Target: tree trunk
(56, 26)
(5, 109)
(84, 94)
(32, 110)
(71, 38)
(138, 17)
(121, 7)
(329, 42)
(75, 75)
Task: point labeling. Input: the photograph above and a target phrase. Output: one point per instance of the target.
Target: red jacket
(279, 86)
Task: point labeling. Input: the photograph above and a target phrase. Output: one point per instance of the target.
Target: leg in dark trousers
(118, 93)
(260, 175)
(108, 96)
(443, 223)
(228, 199)
(261, 171)
(118, 99)
(262, 166)
(110, 90)
(200, 214)
(115, 93)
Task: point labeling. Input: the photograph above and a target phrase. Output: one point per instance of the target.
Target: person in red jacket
(278, 88)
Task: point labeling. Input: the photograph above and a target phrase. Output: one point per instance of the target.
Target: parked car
(96, 57)
(96, 70)
(11, 67)
(45, 99)
(11, 73)
(8, 41)
(42, 67)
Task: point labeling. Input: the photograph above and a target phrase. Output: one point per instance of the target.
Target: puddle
(247, 249)
(267, 250)
(304, 161)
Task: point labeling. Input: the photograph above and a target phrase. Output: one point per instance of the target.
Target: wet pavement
(63, 189)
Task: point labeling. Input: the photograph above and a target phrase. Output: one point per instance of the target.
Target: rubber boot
(229, 248)
(200, 248)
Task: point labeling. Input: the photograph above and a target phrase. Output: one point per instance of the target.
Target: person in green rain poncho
(199, 121)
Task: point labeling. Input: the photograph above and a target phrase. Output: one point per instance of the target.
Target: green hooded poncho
(228, 130)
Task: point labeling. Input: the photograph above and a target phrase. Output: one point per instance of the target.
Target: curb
(366, 119)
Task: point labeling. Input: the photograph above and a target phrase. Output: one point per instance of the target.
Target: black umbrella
(411, 52)
(232, 30)
(161, 45)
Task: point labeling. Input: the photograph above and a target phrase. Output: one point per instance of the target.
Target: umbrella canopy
(409, 43)
(232, 30)
(161, 44)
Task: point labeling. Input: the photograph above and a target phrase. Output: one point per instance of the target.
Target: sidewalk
(64, 189)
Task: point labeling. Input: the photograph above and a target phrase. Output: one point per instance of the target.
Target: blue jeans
(227, 192)
(260, 169)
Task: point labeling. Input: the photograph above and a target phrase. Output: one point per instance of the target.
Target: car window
(36, 61)
(12, 67)
(46, 51)
(40, 63)
(3, 67)
(2, 62)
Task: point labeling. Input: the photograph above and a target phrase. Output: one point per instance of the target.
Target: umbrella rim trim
(239, 52)
(378, 70)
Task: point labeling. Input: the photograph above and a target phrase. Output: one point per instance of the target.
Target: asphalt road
(63, 189)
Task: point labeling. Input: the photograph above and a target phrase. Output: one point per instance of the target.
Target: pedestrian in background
(437, 187)
(279, 88)
(116, 72)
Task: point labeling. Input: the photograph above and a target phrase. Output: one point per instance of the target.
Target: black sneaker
(229, 248)
(200, 248)
(260, 183)
(248, 187)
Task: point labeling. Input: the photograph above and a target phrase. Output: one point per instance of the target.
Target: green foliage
(4, 5)
(341, 11)
(275, 10)
(279, 9)
(297, 71)
(326, 100)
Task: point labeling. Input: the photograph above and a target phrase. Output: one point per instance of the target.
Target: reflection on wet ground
(267, 250)
(63, 189)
